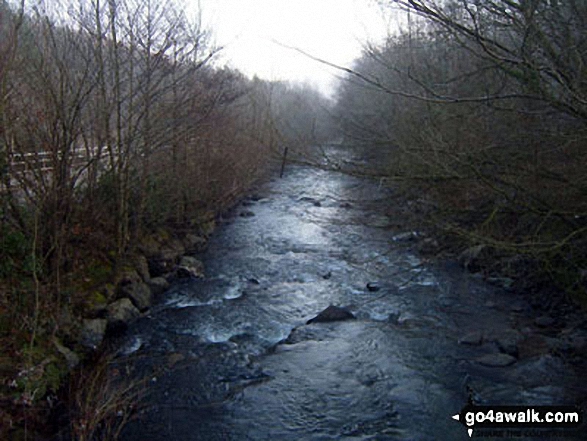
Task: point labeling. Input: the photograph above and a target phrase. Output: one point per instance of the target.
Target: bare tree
(479, 108)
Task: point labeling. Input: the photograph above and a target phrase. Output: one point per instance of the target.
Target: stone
(171, 251)
(194, 243)
(373, 286)
(578, 344)
(165, 260)
(313, 201)
(332, 314)
(408, 236)
(190, 267)
(95, 305)
(142, 267)
(139, 294)
(173, 359)
(246, 213)
(71, 358)
(517, 308)
(503, 282)
(429, 246)
(303, 333)
(474, 338)
(470, 256)
(159, 266)
(128, 276)
(109, 292)
(508, 344)
(498, 359)
(158, 285)
(149, 246)
(92, 332)
(121, 313)
(544, 321)
(379, 221)
(206, 228)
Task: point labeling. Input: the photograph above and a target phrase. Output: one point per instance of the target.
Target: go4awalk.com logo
(519, 417)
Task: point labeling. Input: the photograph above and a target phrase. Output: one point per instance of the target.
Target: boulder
(121, 313)
(474, 338)
(332, 314)
(373, 286)
(496, 360)
(172, 249)
(95, 305)
(149, 246)
(545, 321)
(194, 243)
(158, 285)
(142, 267)
(128, 276)
(408, 236)
(206, 227)
(313, 201)
(139, 294)
(164, 261)
(303, 333)
(71, 358)
(470, 257)
(159, 267)
(508, 344)
(92, 332)
(503, 282)
(429, 247)
(190, 267)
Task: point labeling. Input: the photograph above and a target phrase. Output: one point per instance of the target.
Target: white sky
(330, 29)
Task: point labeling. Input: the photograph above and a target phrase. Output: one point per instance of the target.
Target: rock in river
(496, 360)
(473, 339)
(332, 314)
(158, 285)
(190, 267)
(544, 321)
(139, 294)
(92, 332)
(121, 313)
(373, 286)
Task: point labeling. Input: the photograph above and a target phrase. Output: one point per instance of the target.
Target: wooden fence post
(283, 162)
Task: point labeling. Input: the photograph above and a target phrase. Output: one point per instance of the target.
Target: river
(231, 356)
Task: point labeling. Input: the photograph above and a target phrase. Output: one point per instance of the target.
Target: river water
(231, 356)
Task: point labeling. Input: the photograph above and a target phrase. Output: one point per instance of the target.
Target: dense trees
(479, 108)
(115, 122)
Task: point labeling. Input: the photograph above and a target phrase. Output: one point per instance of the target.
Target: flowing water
(234, 359)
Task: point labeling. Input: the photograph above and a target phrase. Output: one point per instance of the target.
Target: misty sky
(329, 29)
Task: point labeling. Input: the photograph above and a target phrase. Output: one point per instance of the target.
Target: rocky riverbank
(160, 259)
(36, 397)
